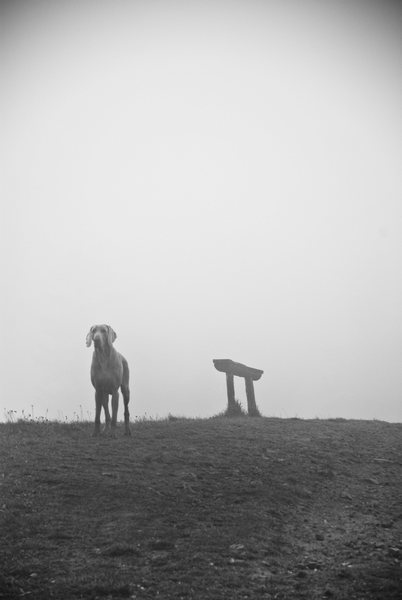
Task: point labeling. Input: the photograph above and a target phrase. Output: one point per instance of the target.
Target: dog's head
(101, 336)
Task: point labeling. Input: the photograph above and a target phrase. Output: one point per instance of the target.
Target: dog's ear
(111, 335)
(89, 336)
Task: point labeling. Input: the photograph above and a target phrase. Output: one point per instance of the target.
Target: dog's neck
(103, 353)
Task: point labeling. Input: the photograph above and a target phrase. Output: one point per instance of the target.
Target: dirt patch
(220, 508)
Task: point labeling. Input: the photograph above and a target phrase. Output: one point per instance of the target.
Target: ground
(217, 509)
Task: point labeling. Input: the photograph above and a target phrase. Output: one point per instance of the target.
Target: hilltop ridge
(215, 508)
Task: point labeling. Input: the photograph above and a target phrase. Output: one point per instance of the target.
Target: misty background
(213, 180)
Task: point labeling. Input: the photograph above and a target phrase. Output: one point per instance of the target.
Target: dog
(109, 372)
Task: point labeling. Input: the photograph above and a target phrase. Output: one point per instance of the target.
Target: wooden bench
(231, 368)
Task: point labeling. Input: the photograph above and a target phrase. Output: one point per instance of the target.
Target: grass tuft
(235, 410)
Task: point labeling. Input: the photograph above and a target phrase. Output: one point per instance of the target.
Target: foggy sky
(213, 180)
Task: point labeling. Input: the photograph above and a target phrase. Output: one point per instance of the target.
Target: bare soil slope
(204, 509)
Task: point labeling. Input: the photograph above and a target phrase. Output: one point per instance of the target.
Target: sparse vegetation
(235, 409)
(224, 508)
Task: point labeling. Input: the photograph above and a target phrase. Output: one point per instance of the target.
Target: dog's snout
(97, 337)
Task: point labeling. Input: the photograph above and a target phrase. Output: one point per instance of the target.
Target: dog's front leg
(105, 403)
(115, 408)
(98, 408)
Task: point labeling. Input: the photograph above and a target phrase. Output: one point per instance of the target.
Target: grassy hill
(251, 508)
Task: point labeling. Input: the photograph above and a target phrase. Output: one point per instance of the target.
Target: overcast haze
(213, 180)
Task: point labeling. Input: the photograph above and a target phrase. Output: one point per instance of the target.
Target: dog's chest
(106, 375)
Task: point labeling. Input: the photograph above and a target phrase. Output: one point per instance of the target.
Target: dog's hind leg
(126, 396)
